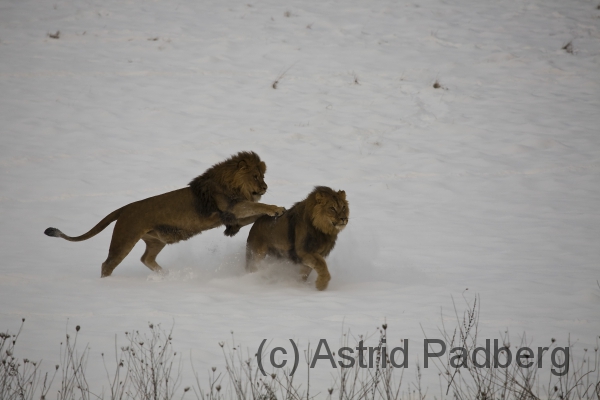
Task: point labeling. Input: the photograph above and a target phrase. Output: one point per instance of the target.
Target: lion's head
(330, 209)
(249, 177)
(240, 177)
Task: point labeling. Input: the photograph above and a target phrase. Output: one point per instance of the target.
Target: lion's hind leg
(254, 255)
(116, 254)
(121, 244)
(153, 247)
(305, 272)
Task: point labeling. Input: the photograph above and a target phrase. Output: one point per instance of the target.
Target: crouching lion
(227, 193)
(305, 234)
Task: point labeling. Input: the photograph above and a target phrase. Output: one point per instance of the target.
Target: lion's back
(262, 229)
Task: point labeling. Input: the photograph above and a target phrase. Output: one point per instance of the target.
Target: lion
(227, 193)
(305, 234)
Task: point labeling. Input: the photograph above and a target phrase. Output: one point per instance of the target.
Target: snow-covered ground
(489, 184)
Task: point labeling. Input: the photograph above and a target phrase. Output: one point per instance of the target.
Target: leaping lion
(227, 193)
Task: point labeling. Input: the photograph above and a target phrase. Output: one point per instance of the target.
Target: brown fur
(305, 234)
(227, 193)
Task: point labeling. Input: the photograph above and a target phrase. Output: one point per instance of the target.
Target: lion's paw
(276, 212)
(231, 230)
(322, 282)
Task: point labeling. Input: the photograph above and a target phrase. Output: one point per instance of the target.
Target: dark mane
(299, 212)
(218, 179)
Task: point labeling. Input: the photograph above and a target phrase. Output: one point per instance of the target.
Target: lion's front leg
(316, 262)
(248, 209)
(249, 220)
(244, 209)
(231, 229)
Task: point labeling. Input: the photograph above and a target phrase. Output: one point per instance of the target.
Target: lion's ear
(319, 198)
(242, 165)
(262, 167)
(342, 194)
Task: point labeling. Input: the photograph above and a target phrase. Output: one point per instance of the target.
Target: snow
(488, 185)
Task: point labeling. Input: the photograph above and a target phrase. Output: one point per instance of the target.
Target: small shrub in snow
(149, 369)
(20, 377)
(569, 47)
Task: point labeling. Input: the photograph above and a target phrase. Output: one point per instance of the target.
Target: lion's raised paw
(277, 212)
(231, 230)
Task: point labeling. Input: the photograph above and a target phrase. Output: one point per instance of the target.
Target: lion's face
(251, 180)
(331, 211)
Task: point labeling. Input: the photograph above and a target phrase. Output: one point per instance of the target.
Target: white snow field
(488, 184)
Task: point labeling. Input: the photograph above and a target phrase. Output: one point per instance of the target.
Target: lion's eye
(332, 209)
(256, 178)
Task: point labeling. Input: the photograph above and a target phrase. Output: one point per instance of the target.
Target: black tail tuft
(53, 232)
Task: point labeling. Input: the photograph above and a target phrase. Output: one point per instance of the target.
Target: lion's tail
(92, 232)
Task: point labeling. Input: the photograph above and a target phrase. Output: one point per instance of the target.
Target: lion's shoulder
(204, 190)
